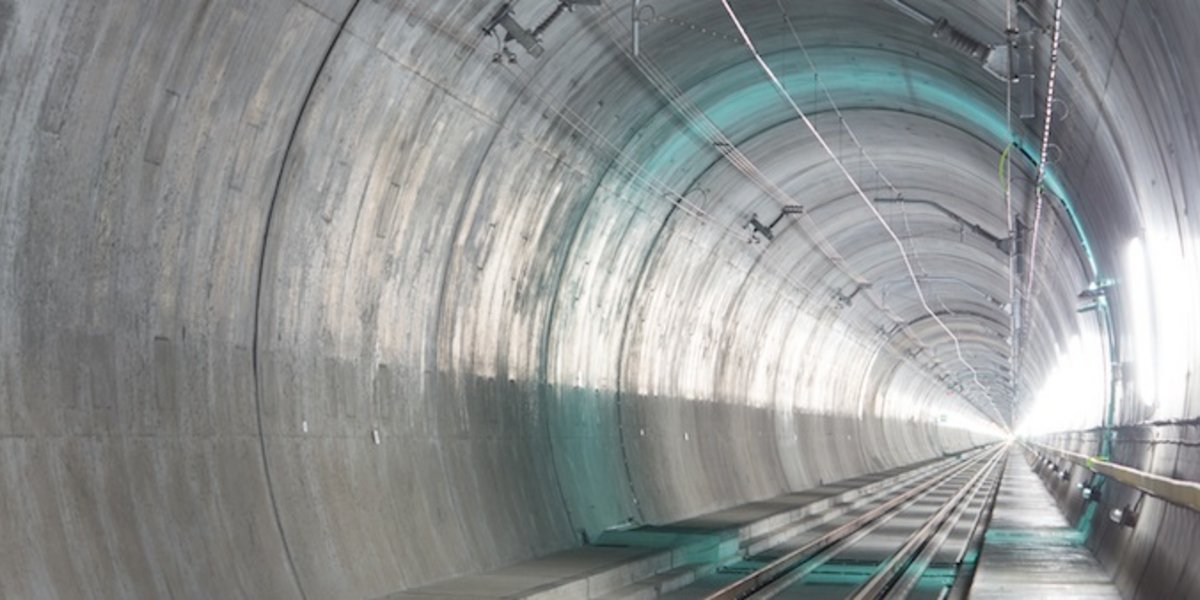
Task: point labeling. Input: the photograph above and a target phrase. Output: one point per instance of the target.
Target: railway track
(916, 539)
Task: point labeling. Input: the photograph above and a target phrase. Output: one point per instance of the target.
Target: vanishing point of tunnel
(429, 299)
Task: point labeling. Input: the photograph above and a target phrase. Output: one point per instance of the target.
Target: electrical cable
(829, 98)
(870, 205)
(698, 119)
(861, 148)
(642, 176)
(1014, 317)
(1039, 184)
(875, 167)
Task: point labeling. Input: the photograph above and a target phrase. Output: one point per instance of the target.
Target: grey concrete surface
(1154, 559)
(311, 299)
(1030, 550)
(648, 561)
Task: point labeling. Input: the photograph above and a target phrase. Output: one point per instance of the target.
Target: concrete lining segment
(258, 291)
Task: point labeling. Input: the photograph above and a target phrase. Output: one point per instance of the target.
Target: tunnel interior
(338, 298)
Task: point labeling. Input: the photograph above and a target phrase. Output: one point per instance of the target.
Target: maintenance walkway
(1030, 551)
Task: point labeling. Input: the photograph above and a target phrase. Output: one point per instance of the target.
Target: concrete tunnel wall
(240, 238)
(1155, 558)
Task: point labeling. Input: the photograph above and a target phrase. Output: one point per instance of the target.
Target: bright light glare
(1158, 286)
(1137, 290)
(974, 423)
(1072, 396)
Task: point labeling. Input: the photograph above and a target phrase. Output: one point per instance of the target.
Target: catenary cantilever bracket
(767, 230)
(1010, 60)
(529, 39)
(1004, 245)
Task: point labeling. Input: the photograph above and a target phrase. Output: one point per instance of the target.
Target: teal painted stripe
(853, 77)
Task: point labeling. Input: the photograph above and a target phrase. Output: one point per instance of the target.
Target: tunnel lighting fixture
(1139, 293)
(1126, 516)
(1090, 490)
(635, 9)
(1065, 475)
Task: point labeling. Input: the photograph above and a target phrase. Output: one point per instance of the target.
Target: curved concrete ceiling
(313, 298)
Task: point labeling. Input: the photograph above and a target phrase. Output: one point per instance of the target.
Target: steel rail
(911, 577)
(965, 566)
(890, 573)
(781, 585)
(780, 567)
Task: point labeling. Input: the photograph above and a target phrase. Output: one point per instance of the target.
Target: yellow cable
(1003, 159)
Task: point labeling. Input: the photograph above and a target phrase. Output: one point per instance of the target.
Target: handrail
(1185, 494)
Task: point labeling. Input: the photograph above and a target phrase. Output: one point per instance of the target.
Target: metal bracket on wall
(529, 39)
(761, 229)
(847, 299)
(1004, 245)
(1180, 492)
(1010, 60)
(1021, 43)
(768, 230)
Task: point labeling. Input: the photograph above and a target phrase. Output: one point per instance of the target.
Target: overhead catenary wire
(690, 208)
(699, 120)
(696, 117)
(629, 164)
(641, 176)
(832, 104)
(707, 129)
(866, 200)
(845, 124)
